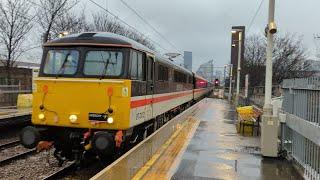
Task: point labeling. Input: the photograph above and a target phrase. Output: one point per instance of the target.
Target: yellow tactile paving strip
(163, 164)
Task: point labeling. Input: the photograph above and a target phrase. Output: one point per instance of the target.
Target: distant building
(20, 81)
(187, 60)
(235, 48)
(22, 64)
(312, 66)
(206, 70)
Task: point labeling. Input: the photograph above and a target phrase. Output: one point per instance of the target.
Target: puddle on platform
(229, 121)
(229, 134)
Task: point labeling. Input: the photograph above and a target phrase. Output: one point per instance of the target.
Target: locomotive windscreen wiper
(63, 64)
(106, 64)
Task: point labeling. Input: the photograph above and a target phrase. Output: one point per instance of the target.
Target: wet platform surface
(13, 112)
(216, 151)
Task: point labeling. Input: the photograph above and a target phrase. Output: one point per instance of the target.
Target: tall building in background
(235, 49)
(206, 70)
(187, 60)
(235, 46)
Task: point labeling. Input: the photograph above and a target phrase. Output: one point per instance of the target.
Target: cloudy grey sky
(203, 26)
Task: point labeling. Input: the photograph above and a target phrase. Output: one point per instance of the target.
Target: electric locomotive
(102, 93)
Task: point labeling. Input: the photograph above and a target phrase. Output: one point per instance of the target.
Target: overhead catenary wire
(255, 15)
(150, 25)
(124, 22)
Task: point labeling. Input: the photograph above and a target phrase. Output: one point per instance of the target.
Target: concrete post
(269, 127)
(224, 79)
(238, 68)
(268, 82)
(230, 82)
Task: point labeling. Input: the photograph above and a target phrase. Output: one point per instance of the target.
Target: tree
(104, 23)
(48, 13)
(288, 60)
(71, 23)
(254, 60)
(15, 24)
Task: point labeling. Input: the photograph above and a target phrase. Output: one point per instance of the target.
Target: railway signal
(216, 82)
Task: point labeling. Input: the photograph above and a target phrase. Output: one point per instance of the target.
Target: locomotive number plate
(98, 116)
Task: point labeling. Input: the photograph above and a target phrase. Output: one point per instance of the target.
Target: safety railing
(301, 130)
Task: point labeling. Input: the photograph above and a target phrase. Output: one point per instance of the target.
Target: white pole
(239, 68)
(230, 82)
(268, 82)
(269, 123)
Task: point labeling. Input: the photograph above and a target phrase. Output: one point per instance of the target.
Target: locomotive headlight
(110, 120)
(73, 118)
(41, 116)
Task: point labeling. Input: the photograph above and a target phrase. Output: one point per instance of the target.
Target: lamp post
(230, 82)
(270, 30)
(269, 124)
(239, 31)
(224, 78)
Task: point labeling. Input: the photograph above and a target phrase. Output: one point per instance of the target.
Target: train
(102, 93)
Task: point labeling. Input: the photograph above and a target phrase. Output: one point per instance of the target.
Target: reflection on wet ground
(217, 152)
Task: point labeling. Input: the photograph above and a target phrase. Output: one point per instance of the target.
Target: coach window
(137, 70)
(163, 73)
(190, 80)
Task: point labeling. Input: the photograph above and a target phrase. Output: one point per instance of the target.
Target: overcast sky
(203, 26)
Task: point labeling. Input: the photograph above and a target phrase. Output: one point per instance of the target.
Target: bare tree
(48, 13)
(254, 60)
(71, 23)
(289, 59)
(15, 24)
(104, 23)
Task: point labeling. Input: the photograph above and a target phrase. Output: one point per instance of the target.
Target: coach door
(150, 84)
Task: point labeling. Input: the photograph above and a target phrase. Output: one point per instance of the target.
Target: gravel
(33, 167)
(7, 140)
(9, 152)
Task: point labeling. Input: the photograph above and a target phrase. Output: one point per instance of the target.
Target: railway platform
(205, 146)
(11, 116)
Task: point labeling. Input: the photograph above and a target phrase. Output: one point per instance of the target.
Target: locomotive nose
(30, 137)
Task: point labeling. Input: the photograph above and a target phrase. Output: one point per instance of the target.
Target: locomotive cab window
(103, 63)
(61, 62)
(137, 66)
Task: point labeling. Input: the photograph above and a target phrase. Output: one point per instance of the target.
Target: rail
(61, 172)
(300, 127)
(18, 156)
(130, 163)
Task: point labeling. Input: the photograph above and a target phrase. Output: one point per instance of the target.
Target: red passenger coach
(202, 87)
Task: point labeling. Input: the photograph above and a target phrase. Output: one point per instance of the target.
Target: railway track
(62, 172)
(17, 157)
(9, 144)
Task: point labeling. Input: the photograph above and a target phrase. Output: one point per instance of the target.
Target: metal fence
(301, 130)
(9, 94)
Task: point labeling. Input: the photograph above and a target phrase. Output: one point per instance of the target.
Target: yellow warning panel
(24, 101)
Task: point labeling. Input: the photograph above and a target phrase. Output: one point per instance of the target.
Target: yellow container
(245, 110)
(24, 101)
(245, 127)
